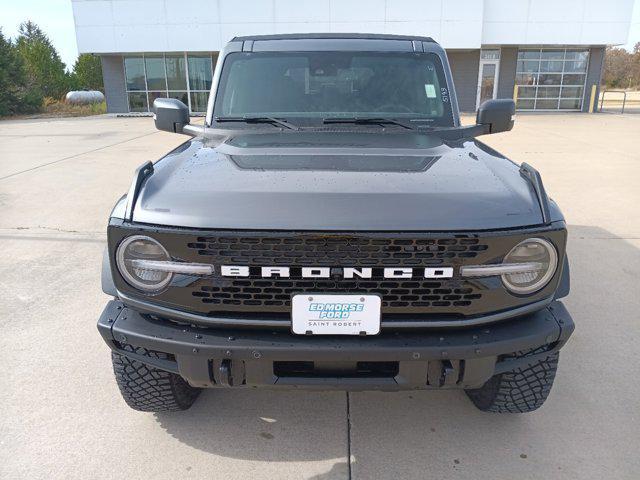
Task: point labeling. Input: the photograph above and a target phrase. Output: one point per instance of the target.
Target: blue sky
(55, 17)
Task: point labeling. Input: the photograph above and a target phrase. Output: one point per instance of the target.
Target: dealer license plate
(316, 314)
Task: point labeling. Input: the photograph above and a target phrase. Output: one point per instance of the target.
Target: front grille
(334, 250)
(269, 293)
(403, 299)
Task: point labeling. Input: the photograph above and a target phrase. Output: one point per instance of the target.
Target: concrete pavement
(61, 415)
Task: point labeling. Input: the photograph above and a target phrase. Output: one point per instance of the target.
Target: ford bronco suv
(332, 225)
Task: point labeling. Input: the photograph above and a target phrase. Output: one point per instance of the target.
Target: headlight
(541, 260)
(132, 256)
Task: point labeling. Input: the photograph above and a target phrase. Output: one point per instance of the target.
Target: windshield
(320, 85)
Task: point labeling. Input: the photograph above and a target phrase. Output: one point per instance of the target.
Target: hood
(337, 180)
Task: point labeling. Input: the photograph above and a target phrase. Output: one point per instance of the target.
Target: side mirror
(170, 115)
(496, 115)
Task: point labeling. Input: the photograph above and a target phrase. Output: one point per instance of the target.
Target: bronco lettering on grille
(347, 272)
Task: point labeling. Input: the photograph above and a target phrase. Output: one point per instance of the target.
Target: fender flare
(564, 287)
(106, 278)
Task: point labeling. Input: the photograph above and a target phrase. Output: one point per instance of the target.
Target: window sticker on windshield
(430, 90)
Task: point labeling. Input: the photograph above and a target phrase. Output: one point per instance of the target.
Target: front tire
(518, 391)
(149, 389)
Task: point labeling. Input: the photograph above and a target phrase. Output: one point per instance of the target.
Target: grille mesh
(256, 294)
(277, 292)
(352, 251)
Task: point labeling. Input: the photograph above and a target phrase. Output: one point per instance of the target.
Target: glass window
(550, 79)
(528, 54)
(572, 79)
(577, 55)
(324, 84)
(138, 102)
(548, 92)
(546, 104)
(155, 72)
(158, 75)
(182, 96)
(525, 66)
(526, 78)
(571, 92)
(154, 95)
(199, 101)
(176, 72)
(575, 66)
(525, 104)
(527, 92)
(552, 55)
(134, 73)
(551, 66)
(573, 104)
(556, 81)
(152, 76)
(489, 54)
(200, 72)
(487, 84)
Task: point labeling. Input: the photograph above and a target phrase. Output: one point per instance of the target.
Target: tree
(87, 73)
(45, 70)
(622, 68)
(15, 95)
(635, 67)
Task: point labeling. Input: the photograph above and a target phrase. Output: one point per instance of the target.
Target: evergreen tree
(15, 95)
(45, 70)
(87, 73)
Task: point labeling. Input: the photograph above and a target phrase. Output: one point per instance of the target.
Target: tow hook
(450, 372)
(226, 379)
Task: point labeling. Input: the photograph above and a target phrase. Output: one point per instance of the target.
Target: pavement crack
(585, 237)
(349, 435)
(53, 234)
(70, 157)
(52, 229)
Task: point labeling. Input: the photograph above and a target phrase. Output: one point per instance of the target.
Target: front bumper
(456, 358)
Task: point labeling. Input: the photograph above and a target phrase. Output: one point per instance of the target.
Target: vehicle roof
(338, 36)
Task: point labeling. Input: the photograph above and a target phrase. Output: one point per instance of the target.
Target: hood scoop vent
(343, 163)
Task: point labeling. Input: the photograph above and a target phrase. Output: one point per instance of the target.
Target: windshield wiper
(367, 121)
(271, 120)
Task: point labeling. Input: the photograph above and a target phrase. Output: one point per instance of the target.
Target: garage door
(551, 78)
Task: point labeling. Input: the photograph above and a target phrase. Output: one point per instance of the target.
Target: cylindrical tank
(84, 97)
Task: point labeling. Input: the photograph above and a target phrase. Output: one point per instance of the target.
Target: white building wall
(112, 26)
(556, 22)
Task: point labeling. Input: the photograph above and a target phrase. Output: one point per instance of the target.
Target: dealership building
(548, 54)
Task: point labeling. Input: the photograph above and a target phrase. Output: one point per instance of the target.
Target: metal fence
(620, 101)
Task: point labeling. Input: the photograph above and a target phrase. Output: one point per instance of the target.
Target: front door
(488, 76)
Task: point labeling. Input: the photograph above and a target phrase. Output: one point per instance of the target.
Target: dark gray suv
(333, 226)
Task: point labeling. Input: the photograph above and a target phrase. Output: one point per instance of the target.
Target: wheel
(149, 389)
(518, 391)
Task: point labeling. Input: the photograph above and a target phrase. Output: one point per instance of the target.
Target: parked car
(332, 225)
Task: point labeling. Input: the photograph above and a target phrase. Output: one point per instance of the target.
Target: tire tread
(149, 389)
(518, 391)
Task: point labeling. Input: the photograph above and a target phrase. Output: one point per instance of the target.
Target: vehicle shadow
(406, 434)
(281, 425)
(264, 425)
